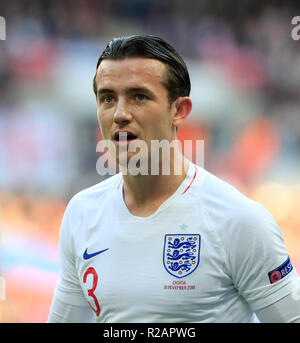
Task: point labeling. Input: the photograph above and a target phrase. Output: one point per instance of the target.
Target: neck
(143, 194)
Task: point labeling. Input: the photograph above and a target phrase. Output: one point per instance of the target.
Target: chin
(134, 163)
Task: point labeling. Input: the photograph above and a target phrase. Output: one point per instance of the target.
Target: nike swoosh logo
(87, 256)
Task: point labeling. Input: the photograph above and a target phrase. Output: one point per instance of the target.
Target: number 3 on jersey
(91, 291)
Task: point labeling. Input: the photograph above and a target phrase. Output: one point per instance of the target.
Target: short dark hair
(177, 81)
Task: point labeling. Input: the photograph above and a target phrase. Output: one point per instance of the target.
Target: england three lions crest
(181, 254)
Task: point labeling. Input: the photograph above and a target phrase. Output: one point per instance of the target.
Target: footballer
(182, 247)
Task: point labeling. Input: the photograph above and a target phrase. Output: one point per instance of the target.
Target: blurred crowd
(245, 74)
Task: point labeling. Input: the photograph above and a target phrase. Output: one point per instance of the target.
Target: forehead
(131, 72)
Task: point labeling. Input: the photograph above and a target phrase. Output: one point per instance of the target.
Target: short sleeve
(68, 289)
(260, 266)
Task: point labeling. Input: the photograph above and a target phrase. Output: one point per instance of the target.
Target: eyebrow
(127, 91)
(104, 91)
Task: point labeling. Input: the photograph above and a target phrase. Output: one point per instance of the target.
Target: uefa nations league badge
(181, 253)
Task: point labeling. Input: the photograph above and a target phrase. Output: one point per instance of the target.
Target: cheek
(99, 119)
(103, 130)
(160, 123)
(104, 122)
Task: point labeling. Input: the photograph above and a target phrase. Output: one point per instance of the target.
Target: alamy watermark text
(295, 33)
(2, 28)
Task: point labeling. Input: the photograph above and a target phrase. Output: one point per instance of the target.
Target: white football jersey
(208, 254)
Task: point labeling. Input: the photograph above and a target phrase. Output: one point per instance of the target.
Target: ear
(182, 108)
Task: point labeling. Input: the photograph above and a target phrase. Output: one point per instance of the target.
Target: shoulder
(247, 231)
(223, 202)
(234, 217)
(100, 189)
(93, 197)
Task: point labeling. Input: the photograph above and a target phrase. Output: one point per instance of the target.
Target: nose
(122, 114)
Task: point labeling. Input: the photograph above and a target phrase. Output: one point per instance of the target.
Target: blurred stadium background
(245, 72)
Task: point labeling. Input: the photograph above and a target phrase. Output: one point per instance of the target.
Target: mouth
(124, 136)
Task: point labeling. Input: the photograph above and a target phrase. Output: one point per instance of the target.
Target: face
(132, 99)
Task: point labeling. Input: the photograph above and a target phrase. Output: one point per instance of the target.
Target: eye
(107, 98)
(141, 97)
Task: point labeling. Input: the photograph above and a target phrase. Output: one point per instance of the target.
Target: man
(183, 247)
